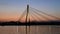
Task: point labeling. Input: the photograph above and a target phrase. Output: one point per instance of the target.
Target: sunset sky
(12, 9)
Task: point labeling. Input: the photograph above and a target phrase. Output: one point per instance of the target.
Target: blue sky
(13, 8)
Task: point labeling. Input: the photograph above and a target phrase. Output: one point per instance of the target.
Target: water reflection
(33, 29)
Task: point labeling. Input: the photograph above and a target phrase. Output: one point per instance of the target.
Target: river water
(40, 29)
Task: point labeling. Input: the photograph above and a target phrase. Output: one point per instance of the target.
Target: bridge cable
(41, 15)
(22, 15)
(36, 16)
(46, 14)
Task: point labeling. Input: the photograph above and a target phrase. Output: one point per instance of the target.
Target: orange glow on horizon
(15, 18)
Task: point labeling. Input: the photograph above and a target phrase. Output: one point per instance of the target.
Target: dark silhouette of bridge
(32, 12)
(36, 15)
(39, 17)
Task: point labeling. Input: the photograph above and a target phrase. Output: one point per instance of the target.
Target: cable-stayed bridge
(31, 14)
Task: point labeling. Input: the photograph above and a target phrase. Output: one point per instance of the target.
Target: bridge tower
(27, 19)
(27, 13)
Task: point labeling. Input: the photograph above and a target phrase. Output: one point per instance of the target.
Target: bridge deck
(30, 23)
